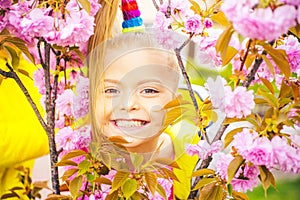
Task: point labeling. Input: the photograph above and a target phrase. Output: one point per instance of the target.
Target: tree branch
(155, 5)
(184, 73)
(12, 74)
(50, 110)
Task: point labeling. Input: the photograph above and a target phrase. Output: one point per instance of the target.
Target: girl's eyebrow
(149, 81)
(111, 81)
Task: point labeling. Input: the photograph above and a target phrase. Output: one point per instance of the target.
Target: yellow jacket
(22, 137)
(182, 134)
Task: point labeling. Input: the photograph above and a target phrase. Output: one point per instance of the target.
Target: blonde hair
(104, 21)
(110, 50)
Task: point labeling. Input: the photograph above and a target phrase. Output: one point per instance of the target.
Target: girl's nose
(129, 102)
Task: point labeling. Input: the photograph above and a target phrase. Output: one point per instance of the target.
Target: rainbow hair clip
(131, 15)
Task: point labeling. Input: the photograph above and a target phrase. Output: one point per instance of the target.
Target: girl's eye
(149, 91)
(111, 91)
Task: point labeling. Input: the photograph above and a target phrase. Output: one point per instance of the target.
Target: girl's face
(132, 93)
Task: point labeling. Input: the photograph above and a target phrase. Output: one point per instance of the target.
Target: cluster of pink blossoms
(257, 151)
(250, 20)
(234, 103)
(26, 21)
(182, 18)
(274, 153)
(245, 179)
(203, 149)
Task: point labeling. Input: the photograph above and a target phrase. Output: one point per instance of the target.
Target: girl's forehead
(140, 57)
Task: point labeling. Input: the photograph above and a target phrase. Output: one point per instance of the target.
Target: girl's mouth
(124, 123)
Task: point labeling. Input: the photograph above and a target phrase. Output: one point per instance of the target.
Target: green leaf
(239, 196)
(203, 182)
(280, 58)
(268, 84)
(66, 163)
(229, 136)
(169, 174)
(136, 159)
(103, 180)
(129, 187)
(86, 5)
(73, 154)
(113, 196)
(269, 64)
(270, 98)
(15, 58)
(161, 191)
(167, 162)
(83, 167)
(202, 172)
(234, 166)
(230, 53)
(223, 41)
(230, 189)
(75, 186)
(25, 73)
(211, 191)
(19, 43)
(67, 174)
(220, 18)
(195, 7)
(119, 180)
(285, 90)
(137, 196)
(266, 178)
(249, 60)
(226, 71)
(151, 180)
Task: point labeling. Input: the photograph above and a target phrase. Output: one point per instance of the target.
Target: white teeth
(127, 123)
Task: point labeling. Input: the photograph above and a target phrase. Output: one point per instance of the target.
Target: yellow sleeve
(182, 134)
(22, 136)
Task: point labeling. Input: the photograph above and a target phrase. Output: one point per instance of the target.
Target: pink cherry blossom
(64, 139)
(169, 39)
(36, 23)
(208, 23)
(4, 4)
(222, 164)
(243, 185)
(284, 156)
(291, 46)
(13, 20)
(239, 102)
(81, 99)
(203, 149)
(260, 152)
(193, 24)
(74, 6)
(161, 22)
(75, 29)
(259, 23)
(243, 141)
(64, 102)
(216, 89)
(291, 2)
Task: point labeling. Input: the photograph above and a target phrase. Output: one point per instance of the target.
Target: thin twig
(184, 73)
(244, 59)
(155, 5)
(12, 74)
